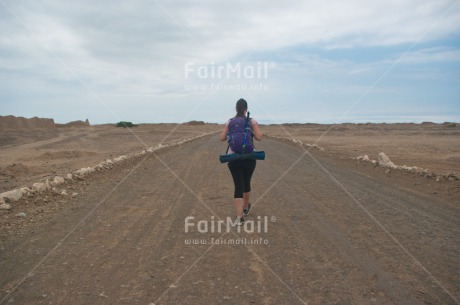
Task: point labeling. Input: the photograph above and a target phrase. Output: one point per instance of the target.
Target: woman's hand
(223, 134)
(255, 131)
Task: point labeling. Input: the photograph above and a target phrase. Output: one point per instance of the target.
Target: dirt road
(324, 233)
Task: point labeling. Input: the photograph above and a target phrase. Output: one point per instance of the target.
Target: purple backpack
(236, 134)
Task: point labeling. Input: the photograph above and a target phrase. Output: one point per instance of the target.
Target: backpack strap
(228, 132)
(246, 127)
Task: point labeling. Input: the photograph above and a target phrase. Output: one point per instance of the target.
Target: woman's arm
(223, 134)
(255, 130)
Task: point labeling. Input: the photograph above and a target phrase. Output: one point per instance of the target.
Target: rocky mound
(76, 124)
(195, 123)
(13, 122)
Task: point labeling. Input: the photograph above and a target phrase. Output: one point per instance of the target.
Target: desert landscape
(31, 154)
(114, 190)
(84, 187)
(435, 147)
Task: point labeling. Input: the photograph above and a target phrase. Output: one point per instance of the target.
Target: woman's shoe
(246, 211)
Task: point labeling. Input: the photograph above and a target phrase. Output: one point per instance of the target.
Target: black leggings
(242, 172)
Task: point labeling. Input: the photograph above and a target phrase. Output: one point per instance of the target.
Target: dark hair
(241, 106)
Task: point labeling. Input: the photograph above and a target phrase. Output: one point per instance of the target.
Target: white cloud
(139, 48)
(433, 55)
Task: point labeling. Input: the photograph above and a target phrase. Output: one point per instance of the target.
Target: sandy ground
(28, 156)
(337, 233)
(435, 147)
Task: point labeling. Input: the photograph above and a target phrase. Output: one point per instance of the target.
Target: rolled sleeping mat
(257, 155)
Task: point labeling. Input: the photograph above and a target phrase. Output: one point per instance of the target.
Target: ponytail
(241, 107)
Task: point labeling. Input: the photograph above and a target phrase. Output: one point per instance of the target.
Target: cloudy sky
(175, 61)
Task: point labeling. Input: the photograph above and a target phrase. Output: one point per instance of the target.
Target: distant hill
(194, 123)
(13, 122)
(75, 124)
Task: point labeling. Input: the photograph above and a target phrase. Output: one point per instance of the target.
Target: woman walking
(240, 141)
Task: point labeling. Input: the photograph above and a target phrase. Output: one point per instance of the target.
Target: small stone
(5, 206)
(120, 158)
(384, 161)
(26, 191)
(21, 215)
(47, 184)
(58, 180)
(64, 193)
(39, 187)
(363, 158)
(74, 195)
(83, 172)
(12, 196)
(226, 297)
